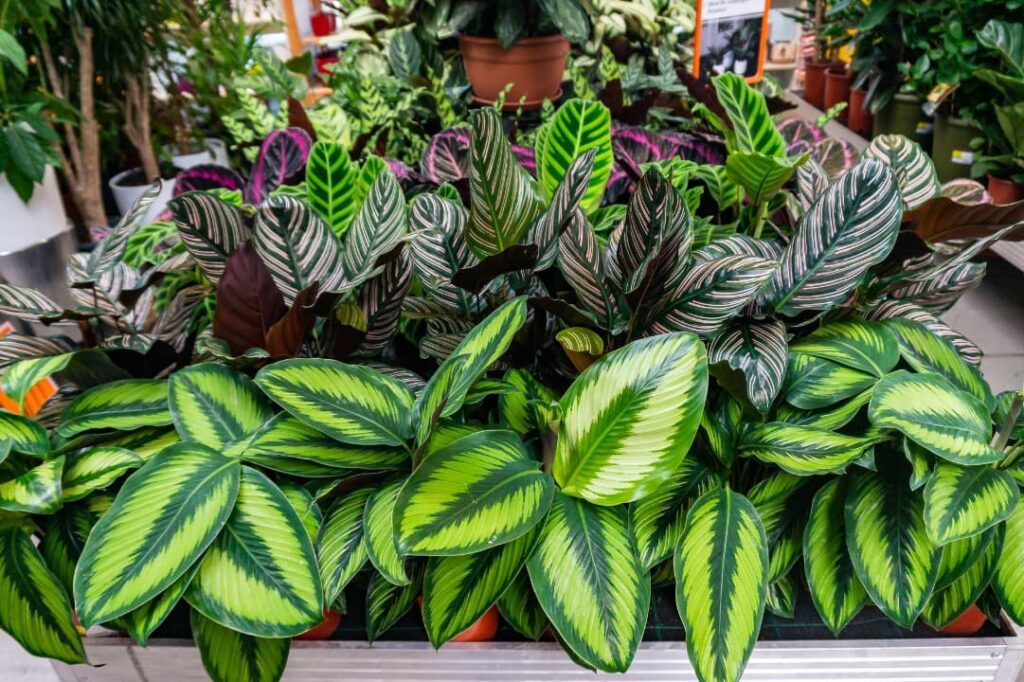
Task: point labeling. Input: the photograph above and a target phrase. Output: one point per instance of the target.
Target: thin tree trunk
(137, 122)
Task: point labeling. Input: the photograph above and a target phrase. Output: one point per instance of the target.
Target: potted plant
(825, 20)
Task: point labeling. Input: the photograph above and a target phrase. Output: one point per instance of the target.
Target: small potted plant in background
(819, 17)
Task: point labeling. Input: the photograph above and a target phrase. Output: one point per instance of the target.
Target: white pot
(215, 152)
(40, 219)
(125, 194)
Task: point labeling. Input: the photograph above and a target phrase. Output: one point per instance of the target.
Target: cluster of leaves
(477, 398)
(1005, 139)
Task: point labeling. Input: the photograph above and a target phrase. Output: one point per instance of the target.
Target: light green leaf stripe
(260, 576)
(888, 544)
(802, 450)
(835, 589)
(518, 409)
(519, 607)
(24, 435)
(1008, 579)
(480, 491)
(721, 568)
(378, 521)
(37, 491)
(286, 436)
(753, 129)
(96, 468)
(829, 419)
(121, 405)
(35, 610)
(330, 184)
(577, 127)
(964, 501)
(458, 590)
(951, 601)
(434, 398)
(920, 463)
(230, 656)
(387, 602)
(588, 579)
(959, 555)
(813, 383)
(165, 516)
(629, 419)
(351, 403)
(145, 442)
(867, 346)
(781, 597)
(214, 405)
(340, 547)
(932, 412)
(143, 621)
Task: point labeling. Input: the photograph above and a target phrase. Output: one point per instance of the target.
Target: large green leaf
(286, 436)
(964, 501)
(758, 350)
(753, 129)
(851, 227)
(959, 555)
(915, 172)
(629, 419)
(260, 576)
(163, 519)
(930, 411)
(330, 184)
(379, 533)
(96, 468)
(387, 602)
(519, 607)
(1008, 579)
(35, 609)
(341, 548)
(37, 491)
(230, 656)
(23, 434)
(587, 576)
(351, 403)
(377, 229)
(505, 200)
(761, 176)
(209, 228)
(143, 621)
(721, 568)
(438, 250)
(577, 127)
(480, 491)
(866, 346)
(121, 405)
(889, 545)
(813, 383)
(518, 408)
(214, 405)
(802, 450)
(953, 599)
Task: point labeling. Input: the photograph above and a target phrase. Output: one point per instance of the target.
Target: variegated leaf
(959, 555)
(381, 303)
(1008, 579)
(890, 310)
(519, 607)
(121, 405)
(37, 491)
(866, 346)
(341, 546)
(214, 405)
(438, 250)
(519, 409)
(581, 261)
(27, 304)
(143, 621)
(813, 383)
(564, 202)
(378, 228)
(758, 350)
(231, 656)
(656, 216)
(96, 468)
(578, 127)
(379, 533)
(802, 450)
(811, 182)
(209, 228)
(761, 176)
(963, 501)
(285, 436)
(330, 184)
(952, 600)
(753, 129)
(23, 434)
(387, 602)
(915, 172)
(938, 294)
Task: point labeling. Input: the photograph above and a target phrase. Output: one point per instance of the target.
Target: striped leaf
(519, 408)
(828, 420)
(23, 434)
(963, 501)
(387, 602)
(282, 156)
(381, 546)
(145, 442)
(811, 181)
(330, 184)
(581, 262)
(562, 205)
(143, 621)
(588, 579)
(657, 520)
(583, 346)
(655, 217)
(758, 350)
(721, 568)
(230, 656)
(760, 175)
(163, 519)
(709, 294)
(925, 351)
(951, 601)
(34, 610)
(480, 491)
(577, 127)
(813, 383)
(959, 556)
(438, 250)
(920, 463)
(95, 469)
(628, 420)
(27, 304)
(835, 589)
(866, 346)
(781, 597)
(377, 228)
(851, 227)
(783, 511)
(915, 172)
(753, 129)
(305, 506)
(458, 590)
(351, 403)
(209, 228)
(889, 545)
(215, 406)
(505, 200)
(120, 405)
(1008, 579)
(15, 346)
(937, 294)
(519, 607)
(802, 450)
(381, 302)
(37, 491)
(85, 368)
(341, 547)
(286, 436)
(111, 249)
(930, 411)
(260, 576)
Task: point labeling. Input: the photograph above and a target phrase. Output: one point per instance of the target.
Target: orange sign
(732, 36)
(36, 396)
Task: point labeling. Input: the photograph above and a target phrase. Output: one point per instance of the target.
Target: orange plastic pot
(1004, 191)
(967, 623)
(483, 630)
(325, 629)
(534, 67)
(860, 120)
(837, 89)
(814, 82)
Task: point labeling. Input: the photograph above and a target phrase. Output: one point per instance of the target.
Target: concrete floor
(991, 315)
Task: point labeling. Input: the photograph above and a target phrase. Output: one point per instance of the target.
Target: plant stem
(759, 218)
(1003, 437)
(549, 440)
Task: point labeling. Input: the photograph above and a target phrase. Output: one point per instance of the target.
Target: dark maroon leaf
(282, 156)
(285, 337)
(512, 259)
(248, 301)
(207, 176)
(297, 118)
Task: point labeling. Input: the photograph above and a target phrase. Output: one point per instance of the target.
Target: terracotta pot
(533, 65)
(837, 89)
(967, 623)
(483, 630)
(860, 120)
(325, 629)
(323, 23)
(1004, 191)
(814, 82)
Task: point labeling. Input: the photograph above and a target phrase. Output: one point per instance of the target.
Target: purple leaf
(282, 155)
(446, 157)
(800, 135)
(526, 158)
(403, 172)
(207, 176)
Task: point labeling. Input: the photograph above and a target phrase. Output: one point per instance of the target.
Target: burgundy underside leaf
(282, 157)
(248, 301)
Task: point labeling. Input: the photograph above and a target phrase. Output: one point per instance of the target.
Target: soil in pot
(534, 66)
(837, 89)
(860, 120)
(951, 148)
(903, 116)
(967, 623)
(814, 82)
(1005, 191)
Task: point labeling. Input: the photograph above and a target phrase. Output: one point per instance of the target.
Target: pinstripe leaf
(781, 597)
(37, 491)
(27, 304)
(588, 579)
(963, 501)
(96, 468)
(230, 656)
(381, 302)
(209, 228)
(656, 220)
(760, 175)
(563, 203)
(850, 227)
(753, 129)
(35, 610)
(629, 419)
(330, 184)
(121, 405)
(915, 172)
(930, 411)
(143, 621)
(214, 405)
(381, 546)
(959, 555)
(1008, 579)
(458, 590)
(802, 450)
(721, 568)
(480, 491)
(739, 245)
(24, 435)
(260, 575)
(15, 346)
(938, 294)
(286, 436)
(889, 545)
(165, 516)
(387, 602)
(351, 403)
(581, 261)
(952, 600)
(811, 181)
(438, 250)
(519, 607)
(757, 349)
(866, 346)
(835, 589)
(505, 200)
(341, 547)
(813, 383)
(576, 128)
(377, 228)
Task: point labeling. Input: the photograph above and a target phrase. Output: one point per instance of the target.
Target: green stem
(759, 217)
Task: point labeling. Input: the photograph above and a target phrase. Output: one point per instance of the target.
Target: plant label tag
(732, 35)
(962, 157)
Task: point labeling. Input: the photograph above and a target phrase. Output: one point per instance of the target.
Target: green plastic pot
(903, 116)
(951, 149)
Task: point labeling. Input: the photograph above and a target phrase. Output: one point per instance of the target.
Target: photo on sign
(731, 45)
